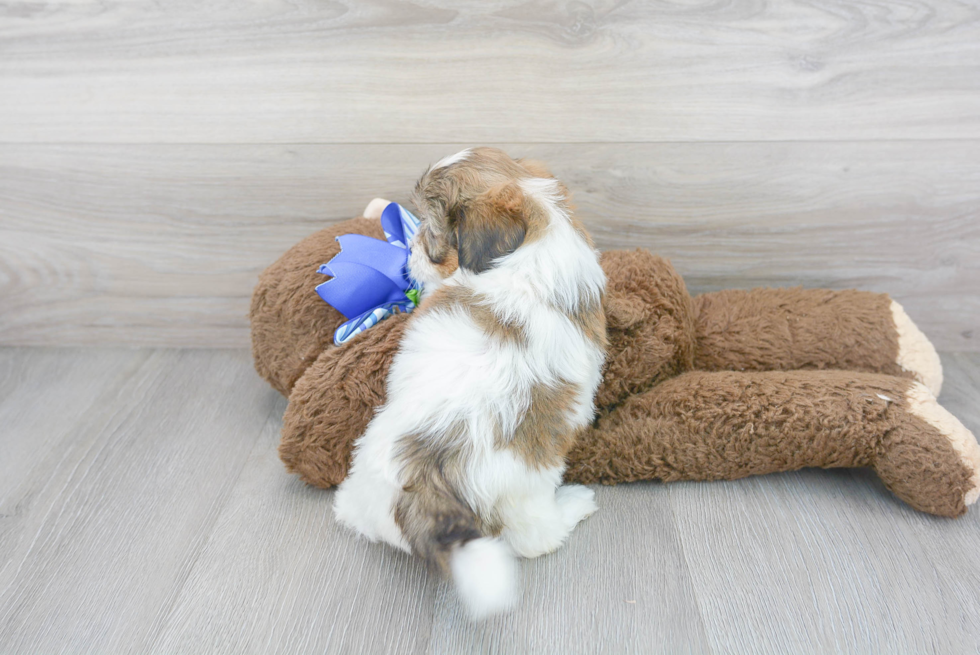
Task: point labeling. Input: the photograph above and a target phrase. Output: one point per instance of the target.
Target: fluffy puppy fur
(494, 379)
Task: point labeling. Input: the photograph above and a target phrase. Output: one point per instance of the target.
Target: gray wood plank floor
(143, 509)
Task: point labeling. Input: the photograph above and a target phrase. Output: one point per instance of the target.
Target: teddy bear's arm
(291, 325)
(791, 329)
(332, 403)
(727, 425)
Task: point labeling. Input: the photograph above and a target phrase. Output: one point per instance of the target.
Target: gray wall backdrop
(154, 157)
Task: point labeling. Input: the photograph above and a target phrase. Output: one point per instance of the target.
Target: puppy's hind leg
(364, 503)
(577, 502)
(538, 523)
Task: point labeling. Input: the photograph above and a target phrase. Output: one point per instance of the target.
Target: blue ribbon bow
(370, 277)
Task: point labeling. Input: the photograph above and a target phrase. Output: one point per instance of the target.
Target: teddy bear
(719, 386)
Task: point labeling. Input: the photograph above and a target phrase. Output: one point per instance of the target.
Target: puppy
(493, 381)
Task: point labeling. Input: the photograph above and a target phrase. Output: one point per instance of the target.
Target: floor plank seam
(687, 564)
(220, 506)
(113, 393)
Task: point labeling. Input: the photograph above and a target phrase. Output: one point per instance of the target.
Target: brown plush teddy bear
(720, 386)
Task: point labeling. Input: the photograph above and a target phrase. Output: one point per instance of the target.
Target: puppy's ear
(492, 225)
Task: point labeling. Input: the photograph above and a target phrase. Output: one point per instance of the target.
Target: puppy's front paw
(576, 503)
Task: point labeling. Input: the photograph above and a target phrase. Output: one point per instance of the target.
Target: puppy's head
(473, 212)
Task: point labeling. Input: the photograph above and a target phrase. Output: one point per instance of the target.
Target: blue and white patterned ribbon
(370, 279)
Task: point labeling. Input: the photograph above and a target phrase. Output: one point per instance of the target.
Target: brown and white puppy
(494, 378)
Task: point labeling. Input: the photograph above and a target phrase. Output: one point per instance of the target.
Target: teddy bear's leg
(727, 425)
(907, 460)
(792, 329)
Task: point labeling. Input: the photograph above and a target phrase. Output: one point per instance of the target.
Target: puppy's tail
(444, 530)
(485, 576)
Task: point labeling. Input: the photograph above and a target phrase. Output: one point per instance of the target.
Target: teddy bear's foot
(930, 460)
(916, 354)
(375, 208)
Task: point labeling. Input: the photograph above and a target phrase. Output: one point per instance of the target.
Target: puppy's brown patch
(535, 167)
(591, 319)
(494, 224)
(429, 511)
(447, 297)
(440, 251)
(498, 329)
(545, 435)
(454, 298)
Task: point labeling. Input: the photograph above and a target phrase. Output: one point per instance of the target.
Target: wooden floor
(143, 509)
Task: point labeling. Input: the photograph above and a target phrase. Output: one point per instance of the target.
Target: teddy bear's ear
(622, 311)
